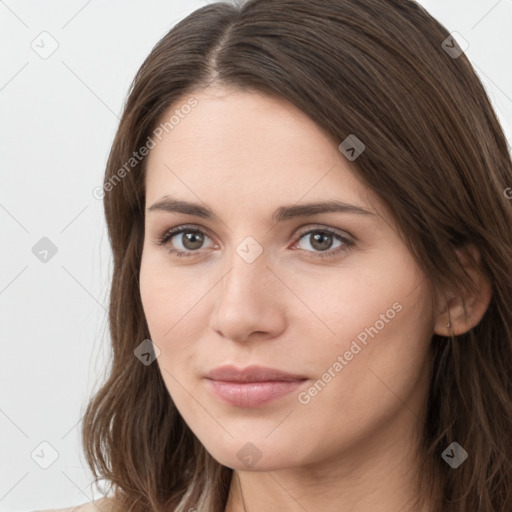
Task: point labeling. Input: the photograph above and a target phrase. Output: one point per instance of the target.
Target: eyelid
(329, 229)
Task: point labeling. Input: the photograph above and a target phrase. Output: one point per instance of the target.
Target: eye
(322, 239)
(190, 243)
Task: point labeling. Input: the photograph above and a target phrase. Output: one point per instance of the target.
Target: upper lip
(251, 373)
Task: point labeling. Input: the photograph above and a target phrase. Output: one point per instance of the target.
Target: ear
(452, 318)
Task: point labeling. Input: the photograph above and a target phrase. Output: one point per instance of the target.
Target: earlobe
(461, 314)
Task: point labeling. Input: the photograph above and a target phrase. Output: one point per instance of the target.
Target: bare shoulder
(101, 505)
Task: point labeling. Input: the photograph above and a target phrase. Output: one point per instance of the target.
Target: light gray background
(58, 116)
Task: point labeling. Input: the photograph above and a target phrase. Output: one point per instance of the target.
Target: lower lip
(252, 394)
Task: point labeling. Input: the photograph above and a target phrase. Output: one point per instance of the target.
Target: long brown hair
(386, 71)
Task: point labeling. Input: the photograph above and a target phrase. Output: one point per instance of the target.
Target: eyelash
(166, 237)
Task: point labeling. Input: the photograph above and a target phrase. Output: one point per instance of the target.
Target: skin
(355, 445)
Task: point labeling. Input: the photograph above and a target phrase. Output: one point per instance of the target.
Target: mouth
(253, 386)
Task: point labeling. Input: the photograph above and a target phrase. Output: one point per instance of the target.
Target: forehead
(249, 148)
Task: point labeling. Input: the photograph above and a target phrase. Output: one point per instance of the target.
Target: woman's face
(333, 298)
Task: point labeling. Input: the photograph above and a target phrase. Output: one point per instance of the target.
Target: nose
(249, 301)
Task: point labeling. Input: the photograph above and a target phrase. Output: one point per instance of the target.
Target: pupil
(193, 240)
(322, 246)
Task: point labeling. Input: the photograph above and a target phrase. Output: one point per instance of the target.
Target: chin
(255, 453)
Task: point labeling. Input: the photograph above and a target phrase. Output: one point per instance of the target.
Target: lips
(252, 386)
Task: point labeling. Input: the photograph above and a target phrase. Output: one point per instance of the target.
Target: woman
(310, 308)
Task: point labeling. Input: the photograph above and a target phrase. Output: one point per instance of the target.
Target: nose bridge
(246, 296)
(248, 267)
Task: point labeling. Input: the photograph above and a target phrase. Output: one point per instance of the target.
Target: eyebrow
(282, 213)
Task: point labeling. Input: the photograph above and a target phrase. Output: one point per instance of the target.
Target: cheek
(174, 303)
(169, 297)
(171, 306)
(339, 304)
(370, 323)
(380, 292)
(376, 361)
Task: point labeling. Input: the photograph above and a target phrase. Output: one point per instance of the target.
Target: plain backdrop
(64, 76)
